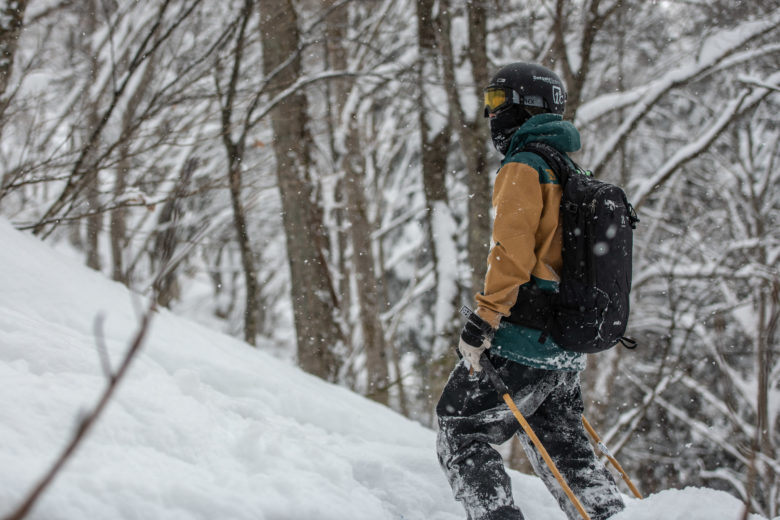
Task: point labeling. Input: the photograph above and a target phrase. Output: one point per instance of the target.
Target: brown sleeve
(517, 202)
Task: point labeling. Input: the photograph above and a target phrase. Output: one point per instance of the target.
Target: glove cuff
(474, 336)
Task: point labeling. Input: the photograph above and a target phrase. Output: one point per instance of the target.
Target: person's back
(524, 103)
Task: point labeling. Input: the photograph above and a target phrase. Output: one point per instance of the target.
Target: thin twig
(751, 479)
(88, 421)
(100, 340)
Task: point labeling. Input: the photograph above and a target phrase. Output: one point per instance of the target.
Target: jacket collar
(545, 128)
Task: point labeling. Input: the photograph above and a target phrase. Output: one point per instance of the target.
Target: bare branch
(100, 340)
(88, 421)
(78, 173)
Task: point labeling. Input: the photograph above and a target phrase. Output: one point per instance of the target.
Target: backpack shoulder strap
(554, 159)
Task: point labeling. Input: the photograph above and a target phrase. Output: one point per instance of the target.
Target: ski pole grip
(477, 320)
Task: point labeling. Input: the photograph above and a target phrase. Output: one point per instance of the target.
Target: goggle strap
(533, 101)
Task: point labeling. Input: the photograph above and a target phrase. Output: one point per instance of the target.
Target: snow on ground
(206, 427)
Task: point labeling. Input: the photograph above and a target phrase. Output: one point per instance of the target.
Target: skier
(524, 103)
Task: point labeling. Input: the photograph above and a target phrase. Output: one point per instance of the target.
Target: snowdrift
(206, 427)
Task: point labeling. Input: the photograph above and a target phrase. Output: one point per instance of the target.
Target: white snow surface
(206, 427)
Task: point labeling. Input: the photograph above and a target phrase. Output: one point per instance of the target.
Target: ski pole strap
(475, 318)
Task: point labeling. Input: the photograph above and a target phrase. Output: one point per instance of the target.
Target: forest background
(315, 178)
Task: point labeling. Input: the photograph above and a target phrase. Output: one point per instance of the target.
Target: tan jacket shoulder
(526, 238)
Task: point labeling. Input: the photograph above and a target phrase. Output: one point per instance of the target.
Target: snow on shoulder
(205, 427)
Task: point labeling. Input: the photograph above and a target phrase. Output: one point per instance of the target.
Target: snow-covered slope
(206, 427)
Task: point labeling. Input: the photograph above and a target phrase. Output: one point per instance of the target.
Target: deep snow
(205, 427)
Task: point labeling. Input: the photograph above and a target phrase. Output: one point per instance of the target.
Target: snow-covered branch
(742, 103)
(703, 429)
(708, 271)
(717, 48)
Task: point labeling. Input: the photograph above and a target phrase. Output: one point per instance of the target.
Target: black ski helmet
(512, 91)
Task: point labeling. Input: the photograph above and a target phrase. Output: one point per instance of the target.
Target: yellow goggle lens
(494, 98)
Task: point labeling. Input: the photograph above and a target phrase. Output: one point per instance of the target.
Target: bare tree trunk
(368, 283)
(768, 317)
(92, 179)
(358, 221)
(435, 134)
(235, 155)
(313, 296)
(433, 141)
(166, 285)
(472, 131)
(118, 231)
(480, 201)
(11, 20)
(251, 307)
(365, 266)
(337, 91)
(119, 219)
(575, 79)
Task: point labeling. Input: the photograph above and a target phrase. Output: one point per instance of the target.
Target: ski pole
(603, 449)
(502, 389)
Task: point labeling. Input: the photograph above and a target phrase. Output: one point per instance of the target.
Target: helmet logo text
(557, 95)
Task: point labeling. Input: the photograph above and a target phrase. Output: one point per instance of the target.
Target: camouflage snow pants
(472, 416)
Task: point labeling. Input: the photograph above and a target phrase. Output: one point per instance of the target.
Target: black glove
(474, 340)
(475, 336)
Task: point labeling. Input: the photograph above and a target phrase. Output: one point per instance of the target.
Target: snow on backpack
(589, 313)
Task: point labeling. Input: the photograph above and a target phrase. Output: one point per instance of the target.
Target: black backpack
(589, 313)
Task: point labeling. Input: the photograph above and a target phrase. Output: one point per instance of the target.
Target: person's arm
(517, 201)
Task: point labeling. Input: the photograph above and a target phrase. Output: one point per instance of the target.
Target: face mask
(500, 138)
(504, 124)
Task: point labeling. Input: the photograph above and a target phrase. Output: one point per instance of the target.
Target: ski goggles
(499, 98)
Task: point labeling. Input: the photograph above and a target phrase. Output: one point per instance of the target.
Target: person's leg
(471, 417)
(558, 424)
